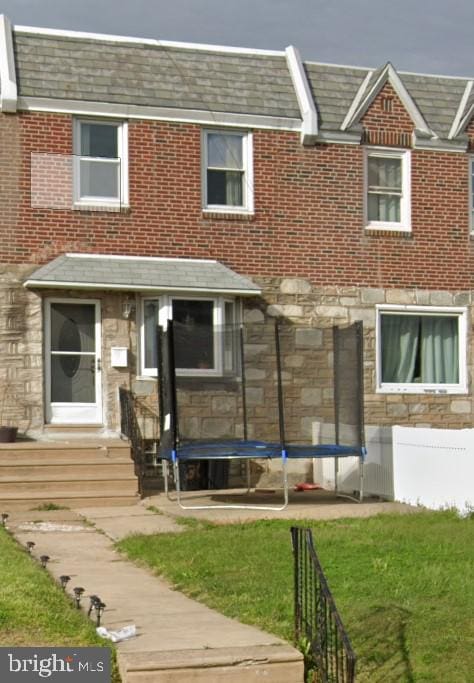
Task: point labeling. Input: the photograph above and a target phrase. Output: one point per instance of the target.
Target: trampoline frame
(177, 452)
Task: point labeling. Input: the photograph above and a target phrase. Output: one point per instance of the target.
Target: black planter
(8, 434)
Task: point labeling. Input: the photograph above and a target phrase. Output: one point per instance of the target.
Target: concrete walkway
(303, 505)
(177, 638)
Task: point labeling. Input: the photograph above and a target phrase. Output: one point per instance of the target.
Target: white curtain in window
(439, 350)
(385, 187)
(233, 188)
(384, 207)
(400, 339)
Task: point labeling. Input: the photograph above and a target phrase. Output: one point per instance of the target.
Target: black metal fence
(319, 630)
(130, 428)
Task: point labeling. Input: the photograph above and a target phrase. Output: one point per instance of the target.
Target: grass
(33, 608)
(47, 507)
(404, 585)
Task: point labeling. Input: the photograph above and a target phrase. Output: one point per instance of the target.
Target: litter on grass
(116, 636)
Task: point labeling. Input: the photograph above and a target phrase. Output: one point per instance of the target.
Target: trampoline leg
(285, 480)
(177, 483)
(247, 471)
(361, 478)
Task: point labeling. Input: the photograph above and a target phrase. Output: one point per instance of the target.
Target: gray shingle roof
(437, 98)
(140, 274)
(334, 88)
(143, 74)
(131, 72)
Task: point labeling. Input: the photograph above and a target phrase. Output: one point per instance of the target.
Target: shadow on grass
(383, 655)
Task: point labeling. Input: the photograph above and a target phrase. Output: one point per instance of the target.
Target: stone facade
(311, 310)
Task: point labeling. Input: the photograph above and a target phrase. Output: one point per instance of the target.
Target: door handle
(99, 365)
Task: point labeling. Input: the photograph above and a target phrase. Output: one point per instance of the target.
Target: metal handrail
(130, 428)
(318, 626)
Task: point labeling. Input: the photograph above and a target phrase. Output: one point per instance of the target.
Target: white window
(421, 349)
(471, 193)
(227, 171)
(204, 331)
(388, 189)
(100, 163)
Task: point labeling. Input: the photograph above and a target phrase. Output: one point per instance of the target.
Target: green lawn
(33, 608)
(404, 585)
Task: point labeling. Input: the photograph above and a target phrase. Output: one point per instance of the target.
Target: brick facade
(308, 219)
(306, 244)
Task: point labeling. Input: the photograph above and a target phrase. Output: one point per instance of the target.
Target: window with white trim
(227, 171)
(204, 333)
(100, 163)
(388, 189)
(421, 349)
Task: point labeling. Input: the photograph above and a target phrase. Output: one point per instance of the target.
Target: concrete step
(65, 471)
(63, 458)
(275, 663)
(62, 452)
(15, 503)
(84, 486)
(88, 471)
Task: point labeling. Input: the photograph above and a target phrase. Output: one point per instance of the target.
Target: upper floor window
(227, 171)
(421, 349)
(388, 189)
(204, 333)
(100, 155)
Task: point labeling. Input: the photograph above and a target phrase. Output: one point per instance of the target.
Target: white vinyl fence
(430, 467)
(378, 474)
(434, 467)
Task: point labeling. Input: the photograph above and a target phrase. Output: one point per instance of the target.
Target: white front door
(72, 363)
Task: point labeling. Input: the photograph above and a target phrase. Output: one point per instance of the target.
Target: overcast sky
(430, 36)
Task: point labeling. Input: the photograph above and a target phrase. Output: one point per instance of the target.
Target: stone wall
(311, 310)
(322, 307)
(21, 352)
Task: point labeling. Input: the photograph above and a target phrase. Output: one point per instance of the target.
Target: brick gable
(387, 122)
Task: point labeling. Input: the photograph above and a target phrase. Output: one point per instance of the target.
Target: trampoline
(241, 392)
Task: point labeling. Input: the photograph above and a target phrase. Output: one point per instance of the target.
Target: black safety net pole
(360, 367)
(336, 352)
(242, 374)
(172, 381)
(281, 414)
(160, 374)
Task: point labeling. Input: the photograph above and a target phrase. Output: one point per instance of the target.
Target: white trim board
(84, 35)
(56, 284)
(9, 91)
(309, 115)
(133, 111)
(389, 75)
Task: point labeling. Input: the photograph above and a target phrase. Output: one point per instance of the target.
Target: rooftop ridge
(154, 42)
